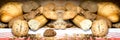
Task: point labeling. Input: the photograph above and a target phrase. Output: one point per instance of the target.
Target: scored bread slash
(82, 22)
(37, 22)
(99, 28)
(20, 28)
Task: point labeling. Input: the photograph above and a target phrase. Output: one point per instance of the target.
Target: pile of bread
(22, 16)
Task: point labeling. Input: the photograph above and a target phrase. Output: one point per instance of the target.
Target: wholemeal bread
(99, 28)
(20, 28)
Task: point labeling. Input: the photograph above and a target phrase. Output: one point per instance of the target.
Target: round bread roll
(82, 22)
(69, 15)
(50, 15)
(37, 22)
(109, 10)
(29, 6)
(90, 6)
(70, 6)
(99, 28)
(20, 28)
(49, 6)
(10, 10)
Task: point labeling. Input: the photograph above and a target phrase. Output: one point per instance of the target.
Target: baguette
(82, 22)
(37, 22)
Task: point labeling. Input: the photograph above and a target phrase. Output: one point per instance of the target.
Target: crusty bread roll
(50, 15)
(99, 28)
(29, 6)
(70, 6)
(10, 10)
(90, 6)
(82, 22)
(109, 10)
(49, 6)
(73, 7)
(37, 22)
(20, 28)
(69, 15)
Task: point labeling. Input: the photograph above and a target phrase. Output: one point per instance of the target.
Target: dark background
(114, 1)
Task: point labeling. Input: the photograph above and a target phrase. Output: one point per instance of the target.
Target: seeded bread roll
(49, 33)
(99, 28)
(37, 22)
(82, 22)
(20, 28)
